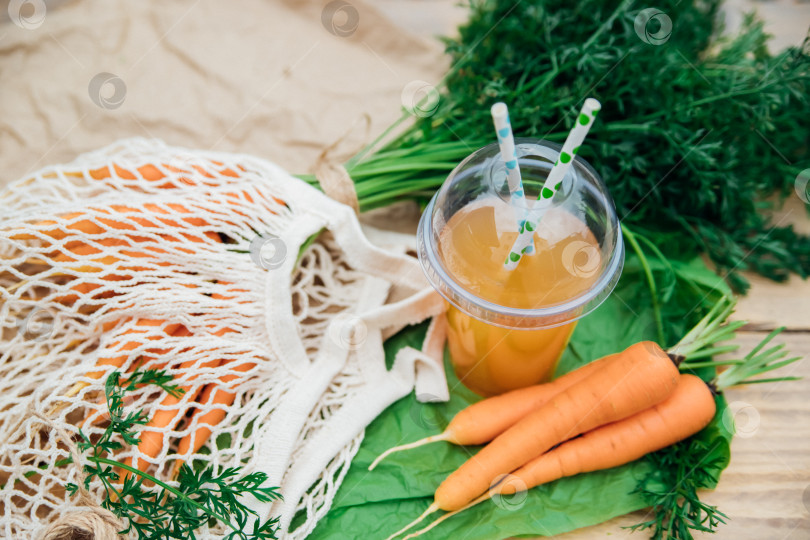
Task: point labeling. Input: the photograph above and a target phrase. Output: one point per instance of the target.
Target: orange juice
(473, 246)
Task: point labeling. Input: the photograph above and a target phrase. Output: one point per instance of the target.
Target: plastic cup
(508, 329)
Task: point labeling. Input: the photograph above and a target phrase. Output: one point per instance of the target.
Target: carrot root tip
(444, 436)
(430, 509)
(420, 532)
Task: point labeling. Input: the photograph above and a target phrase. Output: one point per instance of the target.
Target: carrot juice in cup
(508, 327)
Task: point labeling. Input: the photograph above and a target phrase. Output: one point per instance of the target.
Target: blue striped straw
(506, 142)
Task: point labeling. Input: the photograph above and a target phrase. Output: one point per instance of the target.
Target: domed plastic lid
(469, 227)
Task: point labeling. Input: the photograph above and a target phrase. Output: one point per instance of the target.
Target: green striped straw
(555, 177)
(506, 142)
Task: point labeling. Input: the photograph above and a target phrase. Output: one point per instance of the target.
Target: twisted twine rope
(330, 172)
(95, 523)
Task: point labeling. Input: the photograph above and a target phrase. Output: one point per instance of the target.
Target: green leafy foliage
(158, 511)
(377, 503)
(671, 486)
(694, 136)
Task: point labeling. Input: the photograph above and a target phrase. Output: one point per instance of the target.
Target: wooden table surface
(765, 492)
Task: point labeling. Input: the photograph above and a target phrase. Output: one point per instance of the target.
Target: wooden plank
(769, 304)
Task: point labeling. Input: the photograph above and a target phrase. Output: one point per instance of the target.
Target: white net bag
(145, 256)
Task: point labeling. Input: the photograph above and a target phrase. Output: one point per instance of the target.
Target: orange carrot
(152, 436)
(148, 172)
(483, 421)
(154, 174)
(84, 288)
(219, 394)
(151, 251)
(213, 395)
(122, 218)
(151, 361)
(118, 361)
(96, 265)
(686, 411)
(142, 326)
(639, 377)
(83, 226)
(133, 333)
(642, 376)
(152, 440)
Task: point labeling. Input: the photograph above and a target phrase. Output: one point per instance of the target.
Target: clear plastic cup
(508, 329)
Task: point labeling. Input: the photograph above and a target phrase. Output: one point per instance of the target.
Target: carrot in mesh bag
(154, 434)
(80, 252)
(155, 360)
(148, 252)
(179, 167)
(127, 338)
(170, 410)
(98, 266)
(181, 174)
(122, 218)
(79, 238)
(86, 237)
(86, 229)
(215, 398)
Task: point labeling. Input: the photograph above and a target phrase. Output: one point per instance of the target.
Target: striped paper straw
(506, 142)
(555, 177)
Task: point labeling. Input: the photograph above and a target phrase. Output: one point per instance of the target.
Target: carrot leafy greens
(696, 131)
(201, 496)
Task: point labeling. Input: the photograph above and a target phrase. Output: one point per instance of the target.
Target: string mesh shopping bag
(263, 298)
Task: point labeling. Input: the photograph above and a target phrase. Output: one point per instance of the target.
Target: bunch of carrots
(607, 413)
(83, 239)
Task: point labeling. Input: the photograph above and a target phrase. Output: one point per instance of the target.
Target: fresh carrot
(686, 411)
(213, 394)
(122, 218)
(147, 172)
(639, 377)
(152, 440)
(83, 288)
(79, 226)
(149, 251)
(642, 376)
(213, 169)
(134, 333)
(84, 249)
(153, 361)
(119, 343)
(483, 421)
(153, 173)
(152, 436)
(96, 265)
